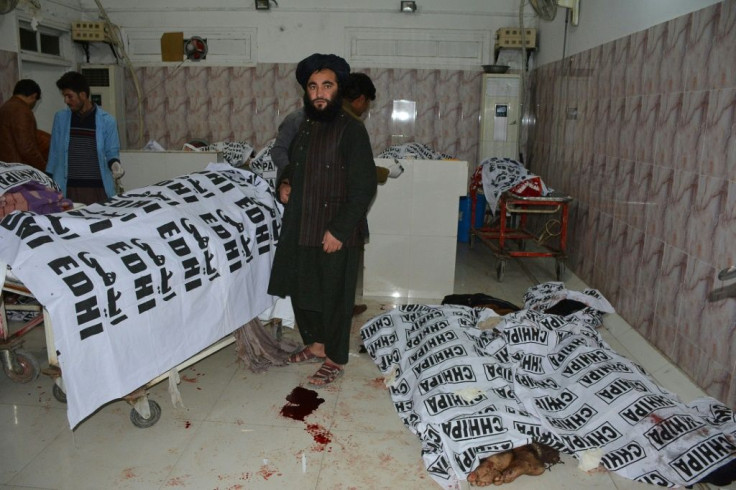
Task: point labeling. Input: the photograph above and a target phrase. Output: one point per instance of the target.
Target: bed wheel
(142, 423)
(58, 393)
(23, 367)
(560, 269)
(500, 270)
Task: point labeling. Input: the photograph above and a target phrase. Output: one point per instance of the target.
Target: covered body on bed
(144, 281)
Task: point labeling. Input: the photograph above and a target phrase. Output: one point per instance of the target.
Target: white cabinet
(500, 116)
(413, 231)
(143, 168)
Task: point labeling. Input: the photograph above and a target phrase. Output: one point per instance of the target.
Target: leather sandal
(325, 375)
(304, 355)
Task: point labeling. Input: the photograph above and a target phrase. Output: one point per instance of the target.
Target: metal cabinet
(500, 116)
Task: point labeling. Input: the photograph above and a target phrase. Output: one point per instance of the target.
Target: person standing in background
(332, 179)
(84, 157)
(18, 131)
(358, 94)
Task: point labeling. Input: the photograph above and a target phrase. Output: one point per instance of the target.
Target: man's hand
(284, 191)
(117, 170)
(330, 243)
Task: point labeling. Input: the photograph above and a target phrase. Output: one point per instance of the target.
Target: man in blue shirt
(84, 157)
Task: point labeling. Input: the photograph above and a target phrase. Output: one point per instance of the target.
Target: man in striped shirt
(84, 157)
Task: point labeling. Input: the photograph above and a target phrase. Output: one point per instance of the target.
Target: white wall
(297, 28)
(602, 21)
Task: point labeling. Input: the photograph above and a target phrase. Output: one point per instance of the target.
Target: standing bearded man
(327, 187)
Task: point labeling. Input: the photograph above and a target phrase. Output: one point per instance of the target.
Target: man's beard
(329, 113)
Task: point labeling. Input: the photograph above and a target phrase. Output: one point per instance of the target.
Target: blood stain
(188, 380)
(302, 402)
(176, 481)
(267, 472)
(128, 473)
(378, 383)
(656, 418)
(187, 424)
(320, 434)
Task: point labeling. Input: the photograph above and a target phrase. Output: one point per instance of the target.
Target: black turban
(317, 62)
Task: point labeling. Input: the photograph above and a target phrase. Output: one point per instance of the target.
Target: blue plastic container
(463, 220)
(463, 217)
(480, 210)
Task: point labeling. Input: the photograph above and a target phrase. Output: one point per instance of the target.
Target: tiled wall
(642, 133)
(247, 104)
(8, 74)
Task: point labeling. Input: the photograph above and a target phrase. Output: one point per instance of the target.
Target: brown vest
(325, 183)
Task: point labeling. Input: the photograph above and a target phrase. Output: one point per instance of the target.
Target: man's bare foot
(490, 470)
(506, 467)
(525, 462)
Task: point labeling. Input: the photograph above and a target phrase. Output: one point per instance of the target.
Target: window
(43, 40)
(50, 44)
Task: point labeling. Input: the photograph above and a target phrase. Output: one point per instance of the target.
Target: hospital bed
(22, 187)
(147, 283)
(19, 364)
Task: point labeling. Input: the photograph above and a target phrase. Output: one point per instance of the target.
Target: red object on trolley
(497, 235)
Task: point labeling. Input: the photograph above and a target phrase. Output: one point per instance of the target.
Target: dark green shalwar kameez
(331, 189)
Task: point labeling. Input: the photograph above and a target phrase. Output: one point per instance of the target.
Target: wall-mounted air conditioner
(107, 91)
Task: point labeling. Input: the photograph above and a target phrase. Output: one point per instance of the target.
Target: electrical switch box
(511, 37)
(172, 46)
(90, 31)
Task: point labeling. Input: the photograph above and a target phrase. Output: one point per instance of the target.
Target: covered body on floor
(470, 392)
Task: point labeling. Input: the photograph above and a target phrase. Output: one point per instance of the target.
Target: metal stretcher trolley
(511, 229)
(19, 365)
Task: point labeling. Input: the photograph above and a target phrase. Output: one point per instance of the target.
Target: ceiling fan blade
(545, 9)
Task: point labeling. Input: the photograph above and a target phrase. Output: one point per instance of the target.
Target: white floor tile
(26, 430)
(648, 356)
(674, 380)
(226, 455)
(374, 460)
(107, 451)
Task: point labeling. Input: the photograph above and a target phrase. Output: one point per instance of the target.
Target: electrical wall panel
(83, 30)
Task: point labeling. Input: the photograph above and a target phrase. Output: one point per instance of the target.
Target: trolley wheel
(26, 367)
(58, 393)
(500, 269)
(560, 269)
(143, 423)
